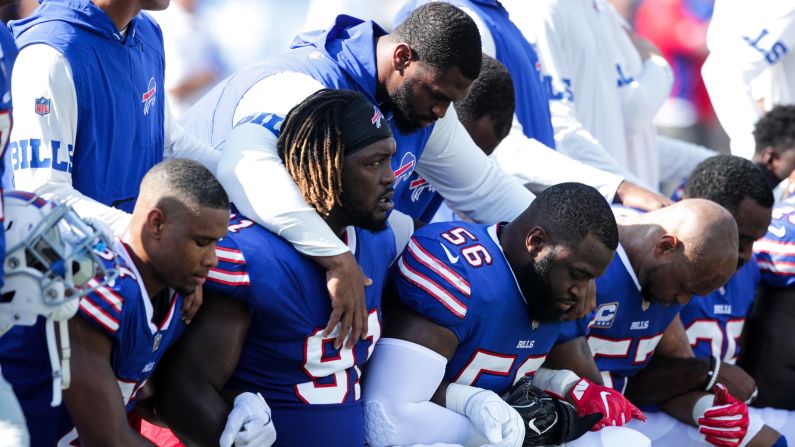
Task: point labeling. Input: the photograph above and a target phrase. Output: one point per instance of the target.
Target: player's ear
(155, 222)
(666, 244)
(402, 56)
(535, 241)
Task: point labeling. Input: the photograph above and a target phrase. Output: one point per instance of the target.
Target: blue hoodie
(342, 57)
(120, 99)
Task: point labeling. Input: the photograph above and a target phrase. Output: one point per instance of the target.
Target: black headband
(362, 124)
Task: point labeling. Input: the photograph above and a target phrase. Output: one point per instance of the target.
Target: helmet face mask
(52, 259)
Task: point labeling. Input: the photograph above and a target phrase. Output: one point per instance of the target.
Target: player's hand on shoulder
(738, 382)
(635, 196)
(346, 281)
(548, 420)
(249, 424)
(494, 418)
(725, 424)
(590, 398)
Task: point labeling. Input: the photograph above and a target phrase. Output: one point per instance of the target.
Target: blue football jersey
(455, 274)
(775, 252)
(312, 388)
(122, 311)
(624, 329)
(715, 322)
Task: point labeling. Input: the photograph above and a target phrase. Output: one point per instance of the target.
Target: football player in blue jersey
(477, 308)
(50, 262)
(260, 333)
(769, 355)
(664, 258)
(413, 74)
(714, 323)
(122, 329)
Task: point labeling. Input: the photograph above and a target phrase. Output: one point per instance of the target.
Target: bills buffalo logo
(148, 97)
(406, 167)
(417, 186)
(42, 106)
(377, 117)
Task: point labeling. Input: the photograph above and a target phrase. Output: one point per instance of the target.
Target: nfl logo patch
(42, 106)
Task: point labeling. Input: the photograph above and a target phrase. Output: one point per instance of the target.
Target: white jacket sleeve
(472, 183)
(255, 178)
(42, 72)
(179, 144)
(736, 59)
(539, 167)
(678, 158)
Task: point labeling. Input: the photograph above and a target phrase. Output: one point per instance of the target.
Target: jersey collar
(123, 250)
(627, 266)
(494, 234)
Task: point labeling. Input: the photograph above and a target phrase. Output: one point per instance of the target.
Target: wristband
(557, 381)
(712, 374)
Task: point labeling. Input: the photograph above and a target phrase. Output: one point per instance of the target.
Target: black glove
(548, 420)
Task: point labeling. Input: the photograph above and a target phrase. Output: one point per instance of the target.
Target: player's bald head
(707, 233)
(179, 185)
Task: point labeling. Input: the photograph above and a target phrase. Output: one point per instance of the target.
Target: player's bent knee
(379, 430)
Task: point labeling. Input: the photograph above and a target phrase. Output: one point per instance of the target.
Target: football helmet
(53, 258)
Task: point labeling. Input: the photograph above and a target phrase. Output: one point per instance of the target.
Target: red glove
(590, 398)
(726, 423)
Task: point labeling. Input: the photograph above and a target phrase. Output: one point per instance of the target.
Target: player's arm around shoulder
(195, 370)
(94, 400)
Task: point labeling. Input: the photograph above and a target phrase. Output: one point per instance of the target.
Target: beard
(534, 284)
(361, 215)
(402, 111)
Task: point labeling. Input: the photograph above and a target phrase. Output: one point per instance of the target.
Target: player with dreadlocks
(266, 304)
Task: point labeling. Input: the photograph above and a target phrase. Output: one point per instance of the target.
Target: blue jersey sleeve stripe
(433, 289)
(774, 247)
(228, 278)
(777, 267)
(229, 255)
(101, 317)
(438, 267)
(108, 296)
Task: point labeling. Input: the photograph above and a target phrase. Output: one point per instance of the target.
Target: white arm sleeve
(678, 158)
(401, 379)
(42, 72)
(472, 183)
(734, 63)
(517, 155)
(255, 178)
(178, 144)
